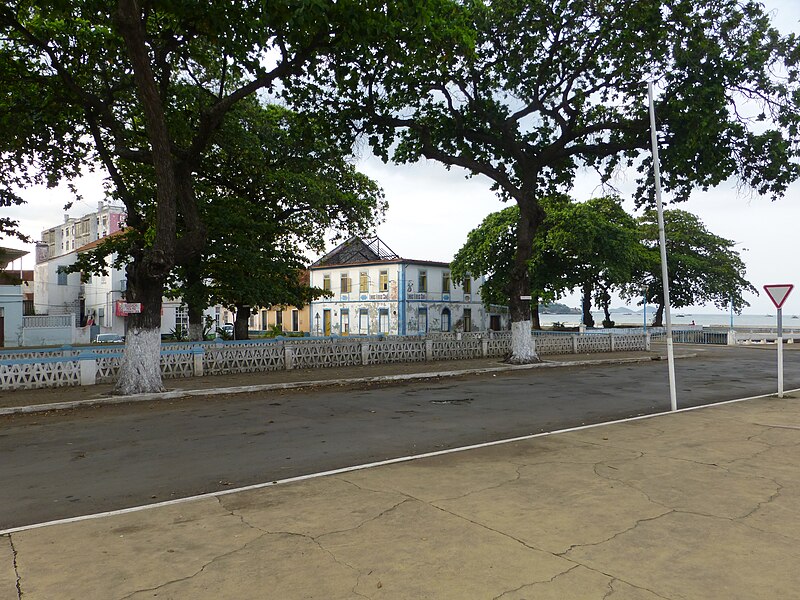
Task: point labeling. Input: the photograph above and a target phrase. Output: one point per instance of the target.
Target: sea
(679, 318)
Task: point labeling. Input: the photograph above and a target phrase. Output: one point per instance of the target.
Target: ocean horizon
(680, 317)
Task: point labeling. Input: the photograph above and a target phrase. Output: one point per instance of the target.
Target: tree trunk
(241, 326)
(605, 301)
(140, 371)
(586, 303)
(522, 347)
(195, 322)
(536, 323)
(658, 320)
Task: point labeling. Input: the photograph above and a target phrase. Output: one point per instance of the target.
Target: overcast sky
(431, 210)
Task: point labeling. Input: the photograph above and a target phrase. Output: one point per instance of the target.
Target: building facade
(74, 233)
(289, 318)
(95, 300)
(374, 291)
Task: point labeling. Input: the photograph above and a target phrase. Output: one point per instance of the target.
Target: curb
(266, 387)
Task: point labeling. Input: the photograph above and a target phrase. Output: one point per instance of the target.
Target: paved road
(60, 465)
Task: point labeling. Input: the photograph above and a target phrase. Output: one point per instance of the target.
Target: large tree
(490, 248)
(275, 184)
(703, 267)
(592, 245)
(109, 84)
(549, 88)
(600, 250)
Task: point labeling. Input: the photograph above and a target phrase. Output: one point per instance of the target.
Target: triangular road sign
(778, 292)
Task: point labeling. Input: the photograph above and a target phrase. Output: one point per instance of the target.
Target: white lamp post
(663, 244)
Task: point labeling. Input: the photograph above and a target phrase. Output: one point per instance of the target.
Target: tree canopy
(546, 89)
(703, 267)
(592, 245)
(138, 89)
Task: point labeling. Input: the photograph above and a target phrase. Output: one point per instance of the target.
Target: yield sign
(778, 293)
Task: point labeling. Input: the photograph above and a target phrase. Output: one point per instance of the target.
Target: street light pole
(663, 244)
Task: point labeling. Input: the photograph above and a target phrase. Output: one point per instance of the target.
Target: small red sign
(126, 308)
(778, 292)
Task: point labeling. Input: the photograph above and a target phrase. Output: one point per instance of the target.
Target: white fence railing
(67, 366)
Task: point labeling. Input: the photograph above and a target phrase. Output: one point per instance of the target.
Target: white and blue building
(375, 291)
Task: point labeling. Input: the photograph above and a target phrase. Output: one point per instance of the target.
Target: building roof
(9, 255)
(97, 242)
(367, 251)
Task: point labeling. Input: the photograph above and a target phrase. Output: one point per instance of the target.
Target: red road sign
(778, 292)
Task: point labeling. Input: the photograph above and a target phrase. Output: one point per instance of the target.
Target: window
(384, 281)
(467, 319)
(363, 282)
(264, 320)
(62, 278)
(345, 322)
(467, 285)
(446, 282)
(363, 321)
(181, 321)
(446, 319)
(345, 284)
(383, 320)
(423, 281)
(279, 318)
(295, 320)
(422, 320)
(326, 283)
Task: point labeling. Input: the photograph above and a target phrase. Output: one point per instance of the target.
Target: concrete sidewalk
(38, 400)
(700, 504)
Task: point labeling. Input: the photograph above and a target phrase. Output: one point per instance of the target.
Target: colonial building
(290, 319)
(74, 233)
(373, 291)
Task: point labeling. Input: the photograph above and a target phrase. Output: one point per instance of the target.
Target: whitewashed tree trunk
(140, 372)
(522, 346)
(196, 332)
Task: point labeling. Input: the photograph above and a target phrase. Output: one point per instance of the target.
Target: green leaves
(703, 267)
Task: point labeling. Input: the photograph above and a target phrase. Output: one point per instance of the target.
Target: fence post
(612, 342)
(364, 353)
(288, 357)
(197, 360)
(484, 347)
(732, 337)
(88, 368)
(428, 350)
(647, 342)
(574, 344)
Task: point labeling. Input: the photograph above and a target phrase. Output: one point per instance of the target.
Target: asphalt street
(58, 465)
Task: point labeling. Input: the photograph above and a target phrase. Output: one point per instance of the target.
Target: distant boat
(795, 317)
(680, 315)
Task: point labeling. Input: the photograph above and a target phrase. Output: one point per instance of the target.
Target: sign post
(778, 294)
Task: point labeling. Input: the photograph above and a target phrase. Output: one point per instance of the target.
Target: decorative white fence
(69, 365)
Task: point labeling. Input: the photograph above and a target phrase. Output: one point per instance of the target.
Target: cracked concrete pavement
(698, 504)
